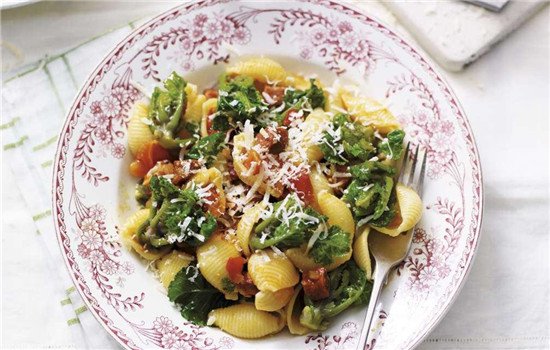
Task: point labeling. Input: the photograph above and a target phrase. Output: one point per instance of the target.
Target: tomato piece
(234, 267)
(276, 93)
(252, 159)
(210, 93)
(214, 205)
(316, 284)
(137, 169)
(302, 185)
(151, 153)
(396, 221)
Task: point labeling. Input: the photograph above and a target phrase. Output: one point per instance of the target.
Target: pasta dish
(257, 196)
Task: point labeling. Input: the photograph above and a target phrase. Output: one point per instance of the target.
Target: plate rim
(418, 55)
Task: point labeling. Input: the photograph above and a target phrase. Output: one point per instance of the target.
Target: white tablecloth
(504, 303)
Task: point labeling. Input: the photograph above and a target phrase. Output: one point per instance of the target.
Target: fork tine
(420, 185)
(413, 166)
(405, 162)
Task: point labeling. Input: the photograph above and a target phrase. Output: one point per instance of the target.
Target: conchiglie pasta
(337, 212)
(271, 272)
(319, 182)
(212, 259)
(410, 206)
(139, 133)
(193, 113)
(370, 112)
(312, 128)
(304, 262)
(209, 107)
(246, 224)
(169, 265)
(273, 301)
(298, 82)
(244, 321)
(361, 253)
(261, 69)
(128, 236)
(293, 311)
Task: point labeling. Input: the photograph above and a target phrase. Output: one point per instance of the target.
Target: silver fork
(389, 251)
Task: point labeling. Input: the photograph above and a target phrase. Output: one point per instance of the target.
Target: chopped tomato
(151, 153)
(252, 160)
(396, 221)
(259, 85)
(316, 284)
(214, 204)
(210, 93)
(234, 267)
(302, 185)
(137, 169)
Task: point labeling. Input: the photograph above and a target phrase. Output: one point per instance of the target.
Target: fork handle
(380, 274)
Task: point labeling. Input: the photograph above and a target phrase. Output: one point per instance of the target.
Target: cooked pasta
(169, 265)
(212, 259)
(273, 301)
(361, 253)
(139, 133)
(245, 321)
(252, 192)
(271, 271)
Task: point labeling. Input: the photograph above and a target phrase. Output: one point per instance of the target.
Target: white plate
(93, 191)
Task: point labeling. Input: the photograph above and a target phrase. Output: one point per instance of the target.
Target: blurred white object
(8, 4)
(457, 33)
(493, 5)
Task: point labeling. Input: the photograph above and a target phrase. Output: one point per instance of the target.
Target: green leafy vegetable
(176, 216)
(370, 191)
(392, 145)
(336, 243)
(142, 194)
(195, 295)
(207, 147)
(352, 141)
(348, 286)
(285, 234)
(238, 100)
(166, 111)
(313, 97)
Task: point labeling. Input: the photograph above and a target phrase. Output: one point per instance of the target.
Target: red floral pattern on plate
(201, 33)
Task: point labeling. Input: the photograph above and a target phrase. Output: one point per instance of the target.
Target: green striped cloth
(35, 103)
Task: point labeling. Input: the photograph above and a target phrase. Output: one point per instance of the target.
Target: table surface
(505, 94)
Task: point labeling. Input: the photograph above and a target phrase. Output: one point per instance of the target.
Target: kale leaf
(349, 141)
(176, 216)
(348, 286)
(207, 147)
(336, 243)
(195, 295)
(392, 145)
(274, 232)
(166, 111)
(313, 97)
(238, 100)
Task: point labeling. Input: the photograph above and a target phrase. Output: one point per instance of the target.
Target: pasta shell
(244, 321)
(293, 311)
(212, 259)
(337, 212)
(361, 253)
(246, 224)
(261, 69)
(128, 237)
(273, 301)
(193, 113)
(169, 265)
(271, 272)
(139, 133)
(298, 82)
(369, 112)
(311, 129)
(410, 206)
(304, 262)
(209, 107)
